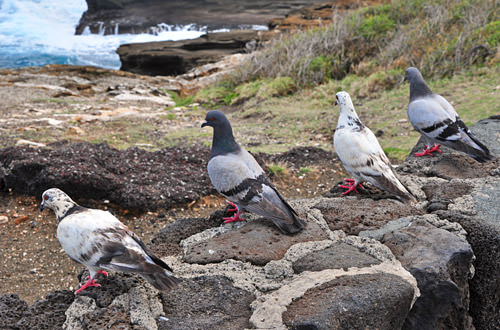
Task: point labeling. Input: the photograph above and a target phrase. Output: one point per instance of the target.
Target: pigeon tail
(161, 280)
(482, 155)
(282, 214)
(396, 187)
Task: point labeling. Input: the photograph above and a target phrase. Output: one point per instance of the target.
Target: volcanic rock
(442, 264)
(166, 58)
(344, 303)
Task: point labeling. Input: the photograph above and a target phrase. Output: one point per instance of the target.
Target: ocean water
(40, 32)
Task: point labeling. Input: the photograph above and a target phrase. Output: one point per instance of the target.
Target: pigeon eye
(45, 197)
(211, 119)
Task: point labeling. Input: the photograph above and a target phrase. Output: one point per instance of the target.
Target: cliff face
(132, 16)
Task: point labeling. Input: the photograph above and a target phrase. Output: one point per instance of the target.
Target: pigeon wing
(239, 178)
(363, 157)
(436, 119)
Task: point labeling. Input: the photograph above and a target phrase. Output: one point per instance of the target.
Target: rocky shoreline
(431, 265)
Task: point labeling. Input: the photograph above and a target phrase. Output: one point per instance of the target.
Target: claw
(429, 151)
(351, 186)
(90, 282)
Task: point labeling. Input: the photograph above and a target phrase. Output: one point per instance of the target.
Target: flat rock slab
(441, 262)
(207, 302)
(368, 301)
(354, 215)
(340, 255)
(258, 242)
(166, 241)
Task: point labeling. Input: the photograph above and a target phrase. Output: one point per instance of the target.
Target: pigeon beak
(204, 124)
(336, 102)
(42, 206)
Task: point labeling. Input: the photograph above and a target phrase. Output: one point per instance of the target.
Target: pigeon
(362, 156)
(438, 122)
(98, 240)
(237, 176)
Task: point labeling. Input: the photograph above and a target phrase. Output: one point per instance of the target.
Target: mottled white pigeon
(98, 240)
(438, 122)
(238, 177)
(361, 154)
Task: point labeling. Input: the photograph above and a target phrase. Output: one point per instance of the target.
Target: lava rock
(257, 242)
(441, 262)
(143, 16)
(166, 241)
(339, 255)
(133, 178)
(367, 301)
(164, 58)
(11, 310)
(206, 302)
(355, 215)
(48, 313)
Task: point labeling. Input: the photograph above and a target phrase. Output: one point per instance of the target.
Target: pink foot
(90, 282)
(236, 216)
(351, 186)
(429, 151)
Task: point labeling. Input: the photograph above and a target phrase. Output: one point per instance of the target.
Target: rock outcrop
(134, 16)
(165, 58)
(416, 268)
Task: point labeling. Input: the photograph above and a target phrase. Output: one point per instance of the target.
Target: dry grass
(439, 37)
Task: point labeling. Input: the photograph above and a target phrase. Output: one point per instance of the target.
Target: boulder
(344, 302)
(442, 264)
(166, 58)
(206, 302)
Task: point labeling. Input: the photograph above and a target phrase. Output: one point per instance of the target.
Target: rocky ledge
(360, 263)
(165, 58)
(133, 16)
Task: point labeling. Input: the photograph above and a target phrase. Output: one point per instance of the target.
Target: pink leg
(90, 282)
(351, 186)
(236, 216)
(233, 205)
(100, 272)
(428, 150)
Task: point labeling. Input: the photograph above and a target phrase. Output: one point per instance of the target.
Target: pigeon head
(56, 200)
(418, 87)
(412, 74)
(223, 141)
(348, 116)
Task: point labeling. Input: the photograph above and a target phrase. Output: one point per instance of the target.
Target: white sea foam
(39, 32)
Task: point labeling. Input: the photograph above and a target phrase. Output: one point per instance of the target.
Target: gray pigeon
(237, 176)
(361, 154)
(98, 240)
(438, 122)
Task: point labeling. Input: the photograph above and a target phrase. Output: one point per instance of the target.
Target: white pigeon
(98, 240)
(438, 122)
(361, 154)
(238, 177)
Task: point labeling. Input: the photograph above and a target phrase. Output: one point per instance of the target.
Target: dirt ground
(33, 264)
(50, 104)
